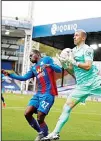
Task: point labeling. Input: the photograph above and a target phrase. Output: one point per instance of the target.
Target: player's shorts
(83, 91)
(43, 102)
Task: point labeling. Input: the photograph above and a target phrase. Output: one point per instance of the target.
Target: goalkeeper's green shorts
(83, 91)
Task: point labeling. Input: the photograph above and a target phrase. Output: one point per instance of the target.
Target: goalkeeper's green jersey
(82, 54)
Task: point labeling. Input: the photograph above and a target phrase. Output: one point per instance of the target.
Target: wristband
(77, 63)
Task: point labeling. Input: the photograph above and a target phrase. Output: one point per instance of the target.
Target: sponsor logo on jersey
(38, 69)
(41, 75)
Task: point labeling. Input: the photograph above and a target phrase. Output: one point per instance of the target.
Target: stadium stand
(12, 86)
(15, 45)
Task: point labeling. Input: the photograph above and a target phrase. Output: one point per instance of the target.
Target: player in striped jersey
(43, 69)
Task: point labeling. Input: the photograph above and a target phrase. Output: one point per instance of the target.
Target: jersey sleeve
(89, 54)
(25, 77)
(54, 66)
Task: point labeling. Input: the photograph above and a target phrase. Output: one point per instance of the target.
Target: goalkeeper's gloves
(61, 59)
(64, 63)
(72, 60)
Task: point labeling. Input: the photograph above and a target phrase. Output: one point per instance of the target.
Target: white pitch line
(55, 110)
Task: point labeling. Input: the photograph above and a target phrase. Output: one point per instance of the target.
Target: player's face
(33, 57)
(78, 38)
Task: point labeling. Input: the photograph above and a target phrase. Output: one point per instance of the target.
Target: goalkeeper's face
(34, 57)
(78, 38)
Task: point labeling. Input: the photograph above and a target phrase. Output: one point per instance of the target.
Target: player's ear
(83, 38)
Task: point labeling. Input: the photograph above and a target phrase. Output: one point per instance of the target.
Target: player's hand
(4, 72)
(72, 60)
(61, 59)
(62, 62)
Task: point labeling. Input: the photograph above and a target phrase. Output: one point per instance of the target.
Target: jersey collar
(81, 46)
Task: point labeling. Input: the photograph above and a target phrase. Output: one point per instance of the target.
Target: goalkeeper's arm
(68, 67)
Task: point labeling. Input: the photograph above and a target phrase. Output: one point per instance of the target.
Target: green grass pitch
(84, 122)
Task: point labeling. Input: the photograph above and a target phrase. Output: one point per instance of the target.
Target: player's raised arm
(87, 52)
(25, 77)
(88, 56)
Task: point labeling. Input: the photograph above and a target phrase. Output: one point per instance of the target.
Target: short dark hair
(36, 52)
(83, 32)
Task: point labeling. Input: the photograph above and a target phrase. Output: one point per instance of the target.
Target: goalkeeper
(87, 80)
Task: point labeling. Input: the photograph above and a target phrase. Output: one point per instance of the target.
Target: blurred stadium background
(16, 44)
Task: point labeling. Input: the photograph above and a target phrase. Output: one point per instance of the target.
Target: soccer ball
(65, 54)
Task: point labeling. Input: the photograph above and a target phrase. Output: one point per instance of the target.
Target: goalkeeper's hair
(36, 52)
(83, 32)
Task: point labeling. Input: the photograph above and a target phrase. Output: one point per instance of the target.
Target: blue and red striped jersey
(46, 82)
